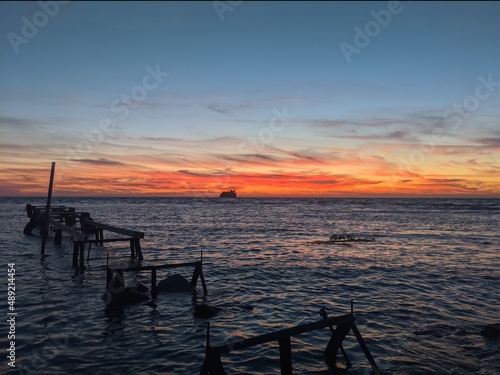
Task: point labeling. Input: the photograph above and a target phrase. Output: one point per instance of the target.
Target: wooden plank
(77, 236)
(164, 266)
(111, 228)
(108, 240)
(52, 208)
(277, 335)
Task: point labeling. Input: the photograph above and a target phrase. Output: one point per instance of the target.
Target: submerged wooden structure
(197, 274)
(212, 364)
(81, 228)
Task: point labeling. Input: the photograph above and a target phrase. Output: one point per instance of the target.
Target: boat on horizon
(228, 194)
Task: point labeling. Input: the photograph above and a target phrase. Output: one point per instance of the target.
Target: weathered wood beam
(77, 236)
(163, 266)
(277, 335)
(111, 228)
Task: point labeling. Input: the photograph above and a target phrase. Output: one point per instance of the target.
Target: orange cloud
(125, 166)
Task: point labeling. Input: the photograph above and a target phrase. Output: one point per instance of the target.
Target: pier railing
(212, 364)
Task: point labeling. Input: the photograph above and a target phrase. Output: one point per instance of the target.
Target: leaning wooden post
(45, 229)
(198, 272)
(364, 347)
(324, 315)
(205, 291)
(201, 273)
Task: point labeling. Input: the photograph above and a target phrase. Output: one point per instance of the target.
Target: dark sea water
(422, 291)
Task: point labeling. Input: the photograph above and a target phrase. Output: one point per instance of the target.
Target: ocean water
(422, 291)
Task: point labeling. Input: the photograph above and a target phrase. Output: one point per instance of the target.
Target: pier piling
(45, 228)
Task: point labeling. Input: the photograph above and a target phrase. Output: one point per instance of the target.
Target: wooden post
(76, 247)
(83, 215)
(196, 274)
(363, 345)
(45, 229)
(69, 220)
(88, 252)
(335, 343)
(285, 356)
(203, 282)
(324, 315)
(82, 255)
(29, 210)
(109, 273)
(212, 365)
(101, 235)
(58, 236)
(154, 289)
(138, 250)
(132, 249)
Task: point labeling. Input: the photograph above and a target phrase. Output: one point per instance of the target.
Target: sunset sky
(269, 98)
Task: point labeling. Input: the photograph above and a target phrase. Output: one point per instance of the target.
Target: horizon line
(261, 197)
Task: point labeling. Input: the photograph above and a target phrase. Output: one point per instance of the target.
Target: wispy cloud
(228, 109)
(17, 121)
(488, 141)
(101, 161)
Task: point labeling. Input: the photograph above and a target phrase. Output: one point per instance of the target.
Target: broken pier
(81, 228)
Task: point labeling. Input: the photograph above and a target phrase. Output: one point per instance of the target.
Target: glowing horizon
(180, 99)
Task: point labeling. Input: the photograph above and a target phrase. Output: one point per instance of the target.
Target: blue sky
(227, 76)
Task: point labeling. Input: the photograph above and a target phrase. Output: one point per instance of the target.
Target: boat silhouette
(228, 194)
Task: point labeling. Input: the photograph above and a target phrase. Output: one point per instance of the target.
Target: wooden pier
(81, 228)
(212, 364)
